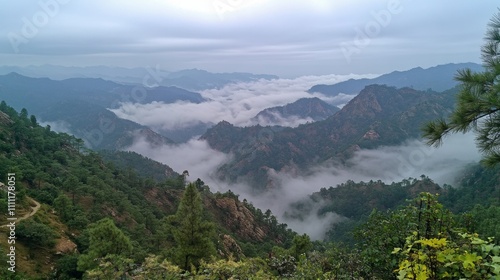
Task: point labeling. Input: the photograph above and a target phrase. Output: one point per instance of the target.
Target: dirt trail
(33, 211)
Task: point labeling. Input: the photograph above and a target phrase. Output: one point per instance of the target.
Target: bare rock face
(5, 119)
(371, 135)
(229, 248)
(164, 199)
(238, 219)
(65, 246)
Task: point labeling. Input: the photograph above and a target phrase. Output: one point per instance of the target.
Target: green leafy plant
(469, 257)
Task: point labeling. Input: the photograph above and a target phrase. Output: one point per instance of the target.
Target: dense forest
(103, 219)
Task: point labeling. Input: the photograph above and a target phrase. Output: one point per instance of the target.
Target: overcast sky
(282, 37)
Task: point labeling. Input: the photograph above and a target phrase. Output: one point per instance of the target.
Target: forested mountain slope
(379, 115)
(78, 188)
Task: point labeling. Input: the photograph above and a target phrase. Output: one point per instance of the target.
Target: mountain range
(190, 79)
(379, 115)
(80, 105)
(437, 78)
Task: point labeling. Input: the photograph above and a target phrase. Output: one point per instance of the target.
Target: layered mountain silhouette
(196, 79)
(37, 93)
(438, 78)
(191, 79)
(379, 115)
(81, 105)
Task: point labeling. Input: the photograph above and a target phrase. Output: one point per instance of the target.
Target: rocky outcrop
(239, 219)
(229, 248)
(65, 246)
(371, 135)
(5, 119)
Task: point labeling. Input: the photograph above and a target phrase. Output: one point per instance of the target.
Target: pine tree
(478, 102)
(193, 235)
(104, 239)
(301, 244)
(64, 207)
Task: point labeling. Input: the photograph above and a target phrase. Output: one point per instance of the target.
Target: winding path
(34, 209)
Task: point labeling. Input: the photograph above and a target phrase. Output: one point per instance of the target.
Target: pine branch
(478, 99)
(435, 131)
(491, 159)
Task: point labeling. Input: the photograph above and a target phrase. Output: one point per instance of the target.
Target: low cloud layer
(58, 126)
(275, 118)
(236, 103)
(389, 164)
(195, 156)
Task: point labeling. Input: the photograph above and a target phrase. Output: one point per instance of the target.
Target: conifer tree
(193, 235)
(104, 239)
(478, 102)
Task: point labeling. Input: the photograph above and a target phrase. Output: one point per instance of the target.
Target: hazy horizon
(288, 39)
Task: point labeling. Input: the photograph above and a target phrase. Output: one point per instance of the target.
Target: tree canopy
(104, 239)
(478, 102)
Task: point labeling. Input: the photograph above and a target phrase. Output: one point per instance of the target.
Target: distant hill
(379, 115)
(304, 108)
(38, 93)
(99, 127)
(57, 72)
(438, 78)
(82, 104)
(191, 79)
(196, 79)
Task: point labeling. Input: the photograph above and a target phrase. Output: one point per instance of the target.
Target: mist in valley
(238, 103)
(388, 164)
